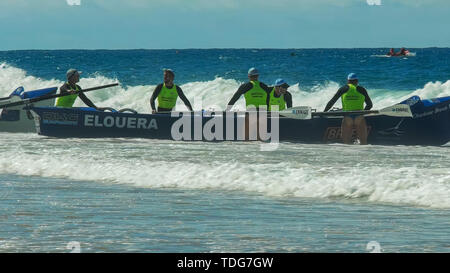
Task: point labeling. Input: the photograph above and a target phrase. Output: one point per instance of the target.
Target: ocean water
(140, 195)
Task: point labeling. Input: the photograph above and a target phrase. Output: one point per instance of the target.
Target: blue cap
(253, 72)
(280, 82)
(352, 76)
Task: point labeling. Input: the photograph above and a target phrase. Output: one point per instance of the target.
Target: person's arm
(63, 89)
(268, 99)
(367, 100)
(67, 89)
(183, 98)
(85, 99)
(154, 96)
(268, 90)
(288, 99)
(241, 91)
(338, 94)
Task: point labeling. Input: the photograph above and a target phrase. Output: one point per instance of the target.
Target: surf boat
(427, 124)
(15, 118)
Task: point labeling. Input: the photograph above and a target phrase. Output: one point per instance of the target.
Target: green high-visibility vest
(256, 96)
(277, 101)
(67, 101)
(352, 100)
(167, 98)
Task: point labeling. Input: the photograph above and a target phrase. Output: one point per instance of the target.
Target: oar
(304, 112)
(298, 112)
(397, 110)
(47, 97)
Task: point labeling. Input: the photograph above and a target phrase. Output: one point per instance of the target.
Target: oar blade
(397, 110)
(299, 112)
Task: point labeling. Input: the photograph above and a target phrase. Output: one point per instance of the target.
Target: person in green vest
(70, 87)
(167, 94)
(353, 97)
(279, 96)
(254, 91)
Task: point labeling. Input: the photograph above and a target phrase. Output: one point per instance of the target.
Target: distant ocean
(136, 195)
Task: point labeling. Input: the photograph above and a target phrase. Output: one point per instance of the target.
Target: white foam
(382, 182)
(213, 94)
(12, 77)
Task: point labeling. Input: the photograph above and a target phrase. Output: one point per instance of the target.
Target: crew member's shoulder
(64, 86)
(343, 89)
(265, 87)
(246, 85)
(360, 88)
(159, 87)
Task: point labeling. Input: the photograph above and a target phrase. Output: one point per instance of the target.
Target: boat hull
(430, 126)
(16, 119)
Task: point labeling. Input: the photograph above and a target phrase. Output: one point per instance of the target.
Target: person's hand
(153, 111)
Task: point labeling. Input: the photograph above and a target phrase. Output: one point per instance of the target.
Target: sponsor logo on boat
(120, 122)
(399, 109)
(300, 112)
(393, 131)
(59, 118)
(429, 113)
(334, 134)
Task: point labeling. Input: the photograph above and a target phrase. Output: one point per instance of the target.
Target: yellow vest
(352, 100)
(67, 101)
(277, 101)
(256, 96)
(167, 98)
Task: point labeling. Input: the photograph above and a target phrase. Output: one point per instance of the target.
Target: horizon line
(214, 48)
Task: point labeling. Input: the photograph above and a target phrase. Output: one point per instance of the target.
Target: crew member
(70, 87)
(254, 91)
(353, 98)
(167, 94)
(279, 96)
(391, 52)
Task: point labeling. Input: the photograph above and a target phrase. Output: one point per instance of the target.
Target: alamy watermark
(373, 247)
(73, 2)
(252, 125)
(74, 247)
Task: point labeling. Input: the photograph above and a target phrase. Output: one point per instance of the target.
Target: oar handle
(77, 92)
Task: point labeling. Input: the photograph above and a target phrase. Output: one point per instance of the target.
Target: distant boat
(401, 53)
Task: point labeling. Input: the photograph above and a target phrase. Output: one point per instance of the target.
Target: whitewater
(167, 196)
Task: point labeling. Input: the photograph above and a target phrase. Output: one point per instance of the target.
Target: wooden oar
(47, 97)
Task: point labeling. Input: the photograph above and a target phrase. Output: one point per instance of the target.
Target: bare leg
(361, 129)
(346, 129)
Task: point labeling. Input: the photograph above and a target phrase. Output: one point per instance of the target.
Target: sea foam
(214, 94)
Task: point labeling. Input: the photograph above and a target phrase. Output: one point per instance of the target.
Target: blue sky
(154, 24)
